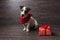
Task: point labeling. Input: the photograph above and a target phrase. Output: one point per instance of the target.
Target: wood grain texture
(44, 11)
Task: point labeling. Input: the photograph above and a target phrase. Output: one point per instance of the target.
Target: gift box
(48, 31)
(41, 31)
(45, 30)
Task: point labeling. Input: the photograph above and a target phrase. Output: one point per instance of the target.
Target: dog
(27, 19)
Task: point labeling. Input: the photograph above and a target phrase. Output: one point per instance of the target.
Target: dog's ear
(28, 9)
(21, 7)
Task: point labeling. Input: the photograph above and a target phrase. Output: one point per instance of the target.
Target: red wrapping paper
(41, 31)
(49, 31)
(45, 30)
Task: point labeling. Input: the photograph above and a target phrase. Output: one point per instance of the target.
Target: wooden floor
(44, 11)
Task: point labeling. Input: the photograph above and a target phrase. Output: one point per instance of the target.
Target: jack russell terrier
(26, 19)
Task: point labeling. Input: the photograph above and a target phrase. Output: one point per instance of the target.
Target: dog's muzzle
(22, 15)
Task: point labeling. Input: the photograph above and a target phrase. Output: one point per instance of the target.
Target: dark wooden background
(44, 11)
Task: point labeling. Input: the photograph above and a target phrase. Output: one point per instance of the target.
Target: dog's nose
(22, 15)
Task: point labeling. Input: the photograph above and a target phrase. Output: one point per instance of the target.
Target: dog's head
(24, 10)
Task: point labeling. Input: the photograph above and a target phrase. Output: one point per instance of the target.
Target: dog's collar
(26, 19)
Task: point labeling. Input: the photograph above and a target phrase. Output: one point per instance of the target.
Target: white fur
(24, 8)
(31, 22)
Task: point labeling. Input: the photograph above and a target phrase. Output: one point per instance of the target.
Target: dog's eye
(26, 11)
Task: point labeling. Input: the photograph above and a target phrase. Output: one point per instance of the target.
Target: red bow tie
(26, 19)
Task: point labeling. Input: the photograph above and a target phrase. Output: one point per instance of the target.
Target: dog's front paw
(27, 30)
(24, 29)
